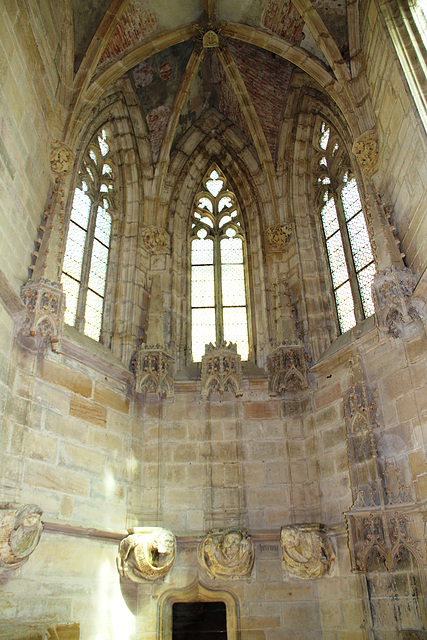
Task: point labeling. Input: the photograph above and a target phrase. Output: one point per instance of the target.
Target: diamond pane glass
(337, 261)
(215, 184)
(236, 329)
(233, 285)
(74, 250)
(207, 221)
(93, 156)
(350, 199)
(365, 278)
(231, 251)
(324, 137)
(81, 208)
(345, 307)
(71, 290)
(202, 331)
(224, 220)
(359, 240)
(93, 315)
(98, 268)
(224, 202)
(106, 169)
(103, 226)
(102, 141)
(205, 203)
(202, 286)
(329, 218)
(202, 251)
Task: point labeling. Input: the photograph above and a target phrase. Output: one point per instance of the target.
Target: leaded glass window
(84, 271)
(218, 278)
(348, 246)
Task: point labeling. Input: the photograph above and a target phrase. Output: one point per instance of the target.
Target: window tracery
(348, 247)
(84, 271)
(218, 279)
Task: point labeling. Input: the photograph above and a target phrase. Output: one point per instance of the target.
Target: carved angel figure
(227, 554)
(20, 531)
(147, 553)
(306, 550)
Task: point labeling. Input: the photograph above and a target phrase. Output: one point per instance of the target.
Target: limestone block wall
(30, 60)
(402, 177)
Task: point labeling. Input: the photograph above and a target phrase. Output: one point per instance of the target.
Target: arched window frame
(218, 233)
(332, 178)
(100, 188)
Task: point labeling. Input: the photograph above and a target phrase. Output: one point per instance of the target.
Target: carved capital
(61, 157)
(221, 370)
(147, 553)
(392, 293)
(20, 531)
(278, 236)
(40, 326)
(227, 554)
(307, 550)
(365, 148)
(154, 370)
(155, 239)
(287, 368)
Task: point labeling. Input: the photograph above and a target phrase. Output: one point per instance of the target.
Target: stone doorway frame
(197, 592)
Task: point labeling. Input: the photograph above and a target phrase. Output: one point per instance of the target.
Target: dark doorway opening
(201, 620)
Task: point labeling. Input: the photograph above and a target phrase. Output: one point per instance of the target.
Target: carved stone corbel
(155, 239)
(307, 551)
(227, 554)
(20, 531)
(392, 294)
(147, 553)
(61, 157)
(365, 148)
(154, 370)
(287, 368)
(221, 370)
(279, 236)
(40, 326)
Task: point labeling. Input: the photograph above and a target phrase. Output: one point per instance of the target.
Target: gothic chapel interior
(213, 319)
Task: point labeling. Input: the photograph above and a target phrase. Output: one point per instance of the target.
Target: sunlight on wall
(112, 618)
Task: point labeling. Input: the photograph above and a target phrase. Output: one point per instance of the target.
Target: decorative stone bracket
(20, 531)
(40, 326)
(392, 293)
(227, 554)
(279, 236)
(155, 239)
(365, 148)
(154, 370)
(147, 553)
(221, 370)
(307, 551)
(287, 368)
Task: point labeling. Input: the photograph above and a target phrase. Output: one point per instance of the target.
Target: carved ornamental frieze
(392, 293)
(365, 148)
(287, 368)
(155, 239)
(227, 554)
(61, 157)
(40, 326)
(279, 236)
(147, 553)
(307, 550)
(20, 531)
(221, 370)
(153, 366)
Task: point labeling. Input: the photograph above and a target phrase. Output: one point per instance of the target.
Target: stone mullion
(219, 321)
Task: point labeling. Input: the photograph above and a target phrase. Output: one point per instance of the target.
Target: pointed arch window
(84, 271)
(219, 309)
(348, 245)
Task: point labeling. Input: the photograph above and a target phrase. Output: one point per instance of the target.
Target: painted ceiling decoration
(244, 73)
